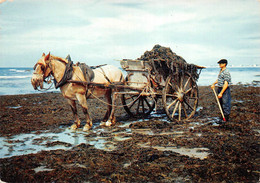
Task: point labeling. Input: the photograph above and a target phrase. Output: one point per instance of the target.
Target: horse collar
(66, 76)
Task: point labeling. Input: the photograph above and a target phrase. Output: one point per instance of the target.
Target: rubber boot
(227, 118)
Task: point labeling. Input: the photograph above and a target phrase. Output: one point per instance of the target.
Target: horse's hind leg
(76, 124)
(109, 101)
(83, 102)
(112, 118)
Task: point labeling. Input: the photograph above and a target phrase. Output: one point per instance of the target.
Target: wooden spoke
(177, 87)
(186, 83)
(172, 104)
(188, 90)
(138, 105)
(188, 105)
(180, 111)
(172, 95)
(133, 103)
(181, 82)
(148, 104)
(175, 108)
(143, 105)
(185, 111)
(171, 85)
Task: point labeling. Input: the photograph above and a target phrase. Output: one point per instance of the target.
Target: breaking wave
(14, 77)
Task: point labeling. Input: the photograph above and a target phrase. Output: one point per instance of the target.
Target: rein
(49, 81)
(46, 89)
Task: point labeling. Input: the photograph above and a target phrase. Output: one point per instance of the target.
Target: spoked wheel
(180, 97)
(137, 105)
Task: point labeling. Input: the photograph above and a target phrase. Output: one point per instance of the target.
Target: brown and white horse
(55, 66)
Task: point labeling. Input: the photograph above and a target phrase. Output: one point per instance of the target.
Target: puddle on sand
(200, 153)
(32, 143)
(207, 121)
(143, 131)
(42, 169)
(162, 116)
(126, 124)
(14, 107)
(63, 138)
(148, 131)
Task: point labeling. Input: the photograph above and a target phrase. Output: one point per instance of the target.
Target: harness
(87, 72)
(66, 76)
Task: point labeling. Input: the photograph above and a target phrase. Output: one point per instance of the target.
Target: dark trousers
(225, 101)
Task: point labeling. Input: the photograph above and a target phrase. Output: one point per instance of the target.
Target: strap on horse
(103, 72)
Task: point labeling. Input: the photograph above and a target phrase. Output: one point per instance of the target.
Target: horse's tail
(122, 79)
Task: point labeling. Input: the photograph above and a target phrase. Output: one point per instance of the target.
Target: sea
(14, 81)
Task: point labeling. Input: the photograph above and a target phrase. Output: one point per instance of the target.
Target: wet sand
(37, 145)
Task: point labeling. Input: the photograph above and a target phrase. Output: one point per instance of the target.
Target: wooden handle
(220, 108)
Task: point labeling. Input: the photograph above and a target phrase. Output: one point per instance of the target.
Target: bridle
(49, 77)
(47, 70)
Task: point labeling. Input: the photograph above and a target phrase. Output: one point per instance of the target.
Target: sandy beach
(135, 150)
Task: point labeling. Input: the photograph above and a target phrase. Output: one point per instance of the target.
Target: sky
(105, 31)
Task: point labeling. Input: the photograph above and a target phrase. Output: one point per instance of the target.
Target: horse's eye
(42, 67)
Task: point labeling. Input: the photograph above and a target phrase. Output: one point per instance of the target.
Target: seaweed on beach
(165, 62)
(233, 148)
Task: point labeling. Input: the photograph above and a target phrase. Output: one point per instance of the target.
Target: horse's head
(41, 71)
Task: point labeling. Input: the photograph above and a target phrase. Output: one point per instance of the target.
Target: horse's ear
(48, 56)
(43, 54)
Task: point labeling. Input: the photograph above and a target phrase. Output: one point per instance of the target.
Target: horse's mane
(60, 59)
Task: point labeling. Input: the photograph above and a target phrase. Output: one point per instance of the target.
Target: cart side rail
(138, 72)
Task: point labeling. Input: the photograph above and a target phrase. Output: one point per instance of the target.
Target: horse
(52, 66)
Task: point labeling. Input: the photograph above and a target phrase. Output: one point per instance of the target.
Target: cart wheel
(137, 105)
(180, 97)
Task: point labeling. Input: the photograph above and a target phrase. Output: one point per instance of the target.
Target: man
(223, 82)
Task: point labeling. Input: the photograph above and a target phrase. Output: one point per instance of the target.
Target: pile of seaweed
(165, 62)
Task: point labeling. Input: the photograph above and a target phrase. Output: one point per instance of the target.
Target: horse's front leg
(83, 102)
(76, 124)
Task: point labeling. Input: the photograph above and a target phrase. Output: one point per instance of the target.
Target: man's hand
(213, 85)
(223, 89)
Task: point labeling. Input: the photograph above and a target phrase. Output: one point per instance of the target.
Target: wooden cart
(145, 84)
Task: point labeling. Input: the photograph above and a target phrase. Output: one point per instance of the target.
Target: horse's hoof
(102, 123)
(108, 123)
(86, 128)
(73, 127)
